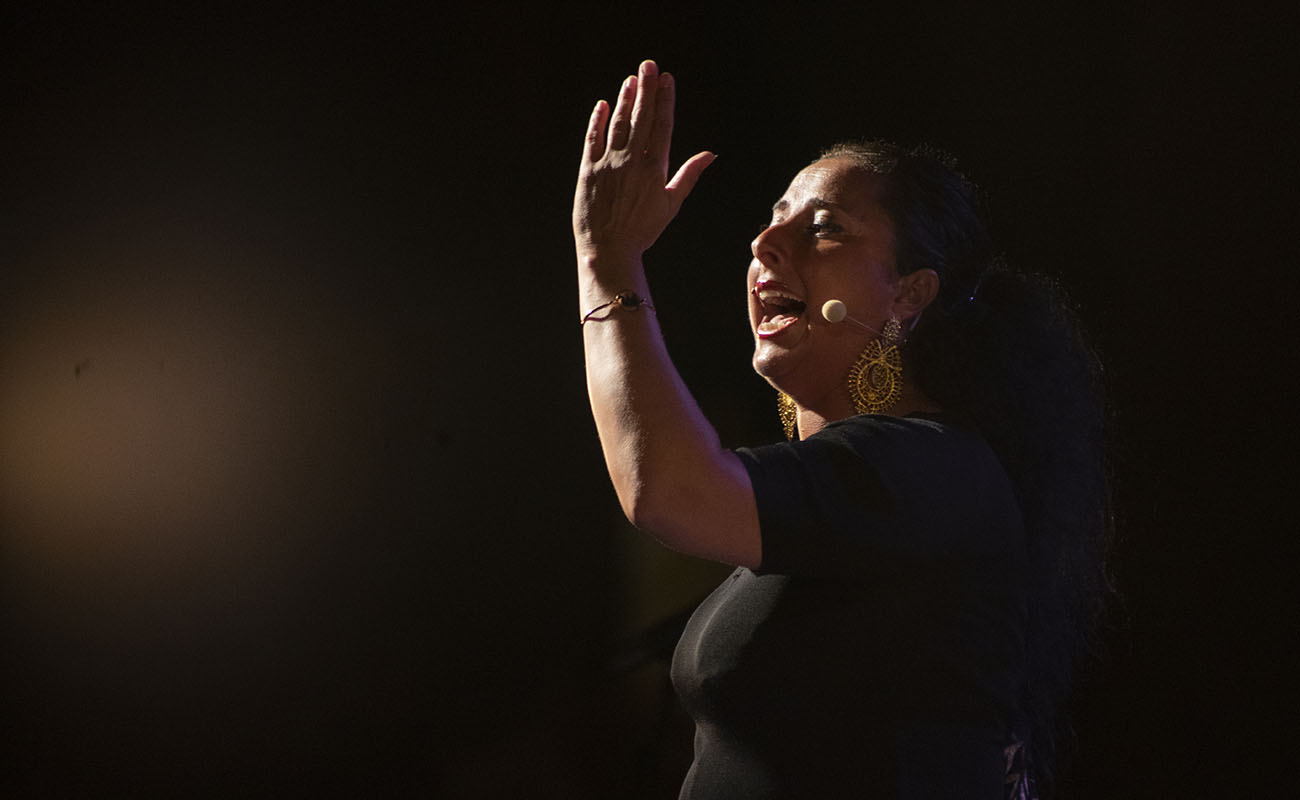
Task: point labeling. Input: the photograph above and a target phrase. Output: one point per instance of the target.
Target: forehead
(833, 180)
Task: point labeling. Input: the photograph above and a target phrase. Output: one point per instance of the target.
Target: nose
(768, 247)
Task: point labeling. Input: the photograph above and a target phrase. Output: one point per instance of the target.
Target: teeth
(769, 295)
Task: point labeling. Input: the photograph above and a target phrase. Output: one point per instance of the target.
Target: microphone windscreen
(834, 311)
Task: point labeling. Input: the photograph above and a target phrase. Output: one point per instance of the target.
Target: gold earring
(785, 406)
(876, 378)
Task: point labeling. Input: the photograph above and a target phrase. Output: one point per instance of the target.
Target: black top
(879, 649)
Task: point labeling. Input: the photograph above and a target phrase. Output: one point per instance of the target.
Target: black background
(298, 486)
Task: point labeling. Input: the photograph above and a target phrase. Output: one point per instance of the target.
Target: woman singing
(920, 568)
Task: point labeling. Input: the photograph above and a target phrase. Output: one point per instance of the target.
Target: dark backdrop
(298, 487)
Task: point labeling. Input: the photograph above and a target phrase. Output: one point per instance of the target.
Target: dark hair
(1005, 348)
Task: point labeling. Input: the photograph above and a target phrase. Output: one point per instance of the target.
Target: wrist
(602, 278)
(608, 255)
(607, 272)
(623, 301)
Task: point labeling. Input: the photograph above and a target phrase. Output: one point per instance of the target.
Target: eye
(823, 223)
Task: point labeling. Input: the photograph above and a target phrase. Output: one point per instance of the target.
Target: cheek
(871, 289)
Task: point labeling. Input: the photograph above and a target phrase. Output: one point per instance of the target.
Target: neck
(814, 417)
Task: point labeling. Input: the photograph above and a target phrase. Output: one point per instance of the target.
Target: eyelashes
(815, 228)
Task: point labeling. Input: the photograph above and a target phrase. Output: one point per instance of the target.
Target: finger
(684, 181)
(620, 122)
(661, 135)
(644, 110)
(594, 145)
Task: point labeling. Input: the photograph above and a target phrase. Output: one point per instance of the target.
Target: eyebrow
(818, 202)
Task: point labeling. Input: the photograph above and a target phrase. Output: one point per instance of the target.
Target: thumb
(684, 181)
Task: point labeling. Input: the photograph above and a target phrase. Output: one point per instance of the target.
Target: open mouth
(781, 308)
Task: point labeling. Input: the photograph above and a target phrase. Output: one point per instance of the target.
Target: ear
(916, 290)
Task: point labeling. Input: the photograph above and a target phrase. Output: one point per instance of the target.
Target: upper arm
(706, 510)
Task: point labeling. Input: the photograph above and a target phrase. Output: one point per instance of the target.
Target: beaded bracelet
(628, 301)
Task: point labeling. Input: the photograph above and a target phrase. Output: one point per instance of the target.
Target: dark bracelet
(628, 301)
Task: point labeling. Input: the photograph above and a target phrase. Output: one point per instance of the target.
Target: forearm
(664, 458)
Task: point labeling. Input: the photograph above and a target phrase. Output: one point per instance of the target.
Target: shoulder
(922, 484)
(923, 447)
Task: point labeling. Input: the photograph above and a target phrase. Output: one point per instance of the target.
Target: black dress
(879, 649)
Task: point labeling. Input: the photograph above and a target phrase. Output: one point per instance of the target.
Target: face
(829, 239)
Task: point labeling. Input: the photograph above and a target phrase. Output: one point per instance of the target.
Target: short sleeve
(865, 493)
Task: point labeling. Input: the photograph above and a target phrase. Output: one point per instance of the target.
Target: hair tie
(972, 309)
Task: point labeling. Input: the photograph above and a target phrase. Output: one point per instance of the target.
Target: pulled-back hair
(1005, 348)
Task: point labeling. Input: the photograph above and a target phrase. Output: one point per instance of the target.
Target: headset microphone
(836, 312)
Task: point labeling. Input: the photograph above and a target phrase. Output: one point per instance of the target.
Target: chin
(771, 365)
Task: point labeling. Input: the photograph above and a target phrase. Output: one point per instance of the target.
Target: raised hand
(624, 199)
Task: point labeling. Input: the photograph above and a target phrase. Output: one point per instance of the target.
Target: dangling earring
(785, 406)
(876, 378)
